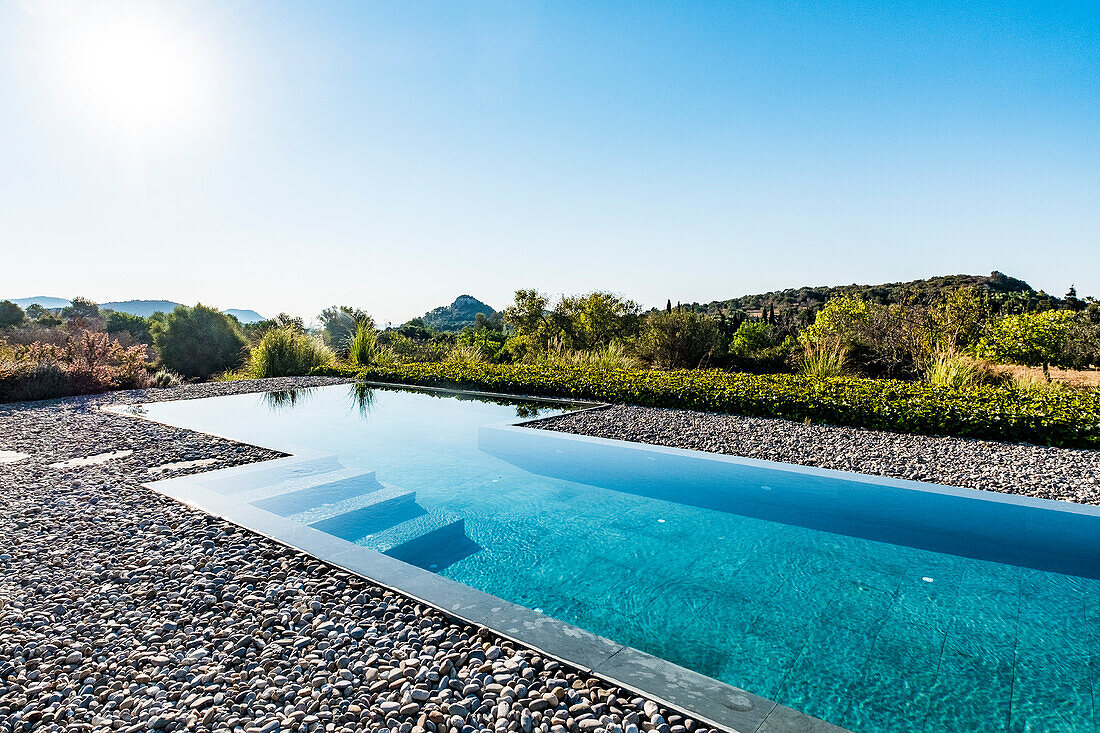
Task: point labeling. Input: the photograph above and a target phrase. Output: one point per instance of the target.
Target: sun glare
(142, 78)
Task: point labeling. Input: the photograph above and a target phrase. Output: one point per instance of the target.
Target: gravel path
(123, 610)
(1050, 473)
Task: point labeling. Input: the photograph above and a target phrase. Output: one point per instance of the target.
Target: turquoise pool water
(665, 552)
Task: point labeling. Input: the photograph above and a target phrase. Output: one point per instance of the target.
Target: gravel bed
(121, 609)
(1015, 468)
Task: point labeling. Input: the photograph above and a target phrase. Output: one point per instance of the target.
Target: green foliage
(680, 339)
(404, 348)
(1068, 418)
(139, 328)
(949, 370)
(339, 325)
(487, 342)
(363, 348)
(957, 319)
(1082, 347)
(256, 330)
(612, 356)
(11, 315)
(759, 347)
(166, 378)
(287, 352)
(81, 308)
(1031, 339)
(578, 322)
(823, 359)
(198, 342)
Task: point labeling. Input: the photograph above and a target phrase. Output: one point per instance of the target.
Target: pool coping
(698, 696)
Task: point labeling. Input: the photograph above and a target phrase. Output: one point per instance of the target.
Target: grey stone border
(715, 703)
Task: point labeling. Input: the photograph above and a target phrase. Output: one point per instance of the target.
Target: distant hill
(45, 301)
(143, 308)
(456, 316)
(926, 290)
(244, 316)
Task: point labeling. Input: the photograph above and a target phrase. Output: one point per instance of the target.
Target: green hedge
(1064, 418)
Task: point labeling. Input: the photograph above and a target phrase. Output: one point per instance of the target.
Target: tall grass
(612, 356)
(466, 354)
(823, 359)
(955, 371)
(287, 352)
(364, 350)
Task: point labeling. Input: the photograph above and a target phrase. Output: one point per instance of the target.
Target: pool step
(236, 484)
(431, 541)
(379, 495)
(335, 489)
(380, 510)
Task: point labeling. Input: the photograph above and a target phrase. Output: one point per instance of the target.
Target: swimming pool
(874, 604)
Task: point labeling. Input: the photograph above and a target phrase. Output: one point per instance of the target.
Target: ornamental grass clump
(956, 371)
(364, 350)
(823, 359)
(287, 352)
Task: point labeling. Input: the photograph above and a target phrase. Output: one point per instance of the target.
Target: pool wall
(1039, 533)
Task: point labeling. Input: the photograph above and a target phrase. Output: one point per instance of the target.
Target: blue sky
(287, 156)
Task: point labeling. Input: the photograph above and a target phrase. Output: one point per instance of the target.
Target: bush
(287, 352)
(955, 371)
(88, 362)
(11, 315)
(1070, 418)
(138, 327)
(198, 342)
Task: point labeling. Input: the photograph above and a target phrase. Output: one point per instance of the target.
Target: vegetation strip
(1068, 419)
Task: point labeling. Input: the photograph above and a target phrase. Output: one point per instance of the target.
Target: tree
(1073, 303)
(668, 305)
(138, 327)
(596, 319)
(1031, 339)
(81, 308)
(35, 311)
(11, 315)
(199, 341)
(678, 340)
(958, 318)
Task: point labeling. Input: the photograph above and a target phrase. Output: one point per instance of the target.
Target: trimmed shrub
(287, 352)
(1070, 418)
(198, 342)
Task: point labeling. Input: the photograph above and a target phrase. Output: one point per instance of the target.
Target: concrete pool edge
(713, 702)
(706, 699)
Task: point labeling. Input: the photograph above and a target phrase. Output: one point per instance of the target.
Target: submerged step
(385, 509)
(321, 495)
(432, 541)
